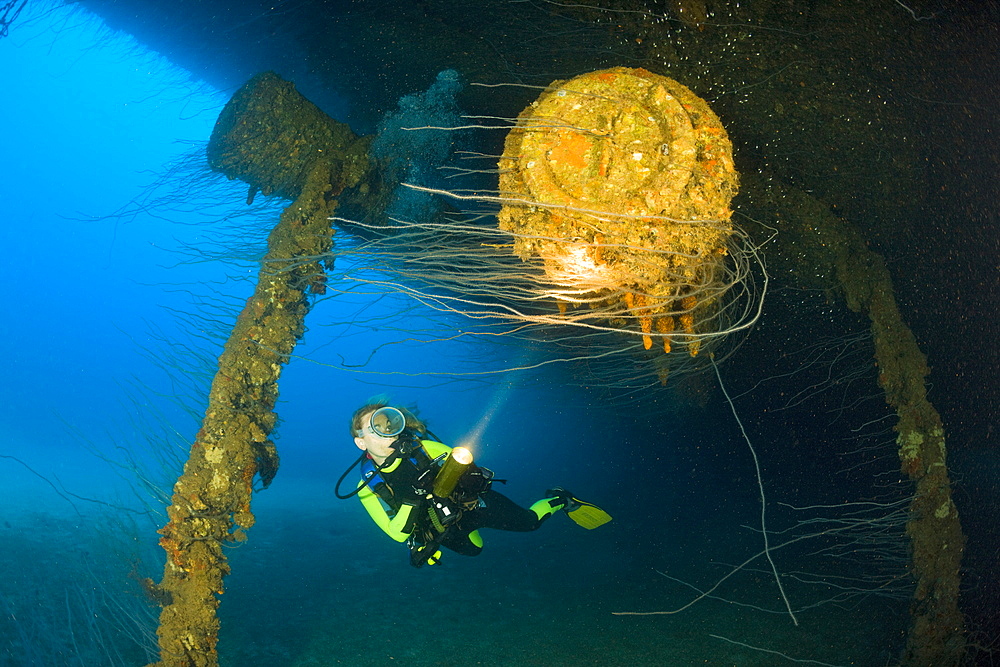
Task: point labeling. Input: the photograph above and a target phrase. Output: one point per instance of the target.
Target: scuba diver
(429, 495)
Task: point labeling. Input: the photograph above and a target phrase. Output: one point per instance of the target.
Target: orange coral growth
(172, 547)
(665, 325)
(688, 303)
(571, 149)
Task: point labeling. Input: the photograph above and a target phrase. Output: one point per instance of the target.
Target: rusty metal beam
(274, 139)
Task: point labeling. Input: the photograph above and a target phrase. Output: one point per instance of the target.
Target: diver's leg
(503, 513)
(463, 540)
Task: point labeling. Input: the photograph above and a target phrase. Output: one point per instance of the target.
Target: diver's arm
(393, 527)
(434, 448)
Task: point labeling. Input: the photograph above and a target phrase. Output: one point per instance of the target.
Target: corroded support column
(271, 137)
(829, 245)
(937, 633)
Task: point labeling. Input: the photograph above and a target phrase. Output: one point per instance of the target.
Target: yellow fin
(589, 516)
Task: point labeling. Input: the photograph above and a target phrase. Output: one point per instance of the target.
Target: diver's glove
(424, 554)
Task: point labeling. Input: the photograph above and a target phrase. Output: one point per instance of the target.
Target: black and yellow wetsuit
(391, 502)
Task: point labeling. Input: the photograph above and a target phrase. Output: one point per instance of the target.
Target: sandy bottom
(320, 585)
(323, 587)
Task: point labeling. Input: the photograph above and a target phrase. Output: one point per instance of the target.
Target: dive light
(451, 470)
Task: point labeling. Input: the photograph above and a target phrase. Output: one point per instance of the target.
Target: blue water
(111, 325)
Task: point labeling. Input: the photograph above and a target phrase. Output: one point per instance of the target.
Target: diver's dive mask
(387, 422)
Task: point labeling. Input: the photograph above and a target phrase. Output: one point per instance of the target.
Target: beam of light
(499, 399)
